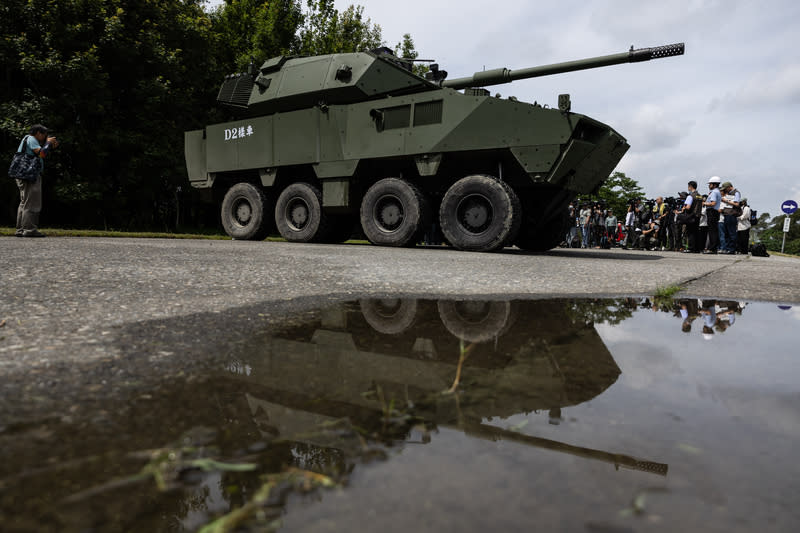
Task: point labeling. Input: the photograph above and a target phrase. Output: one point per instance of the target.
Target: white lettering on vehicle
(239, 133)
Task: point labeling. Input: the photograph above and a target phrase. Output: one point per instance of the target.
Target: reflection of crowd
(716, 316)
(717, 222)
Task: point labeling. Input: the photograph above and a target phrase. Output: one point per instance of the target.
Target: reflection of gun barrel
(495, 433)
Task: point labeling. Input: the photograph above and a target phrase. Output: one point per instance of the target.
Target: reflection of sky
(759, 351)
(749, 372)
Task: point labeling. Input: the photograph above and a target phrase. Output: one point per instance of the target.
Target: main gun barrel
(503, 75)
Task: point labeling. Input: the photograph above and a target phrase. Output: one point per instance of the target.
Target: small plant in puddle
(664, 295)
(462, 356)
(666, 292)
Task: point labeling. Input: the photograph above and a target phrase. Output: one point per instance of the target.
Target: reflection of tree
(599, 311)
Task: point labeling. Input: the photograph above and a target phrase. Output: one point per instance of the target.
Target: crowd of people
(716, 222)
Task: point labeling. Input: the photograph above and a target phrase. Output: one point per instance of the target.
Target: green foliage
(327, 31)
(772, 236)
(118, 82)
(406, 50)
(255, 30)
(618, 191)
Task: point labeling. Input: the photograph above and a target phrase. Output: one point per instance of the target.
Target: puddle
(419, 415)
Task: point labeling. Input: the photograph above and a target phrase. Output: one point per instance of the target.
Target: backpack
(753, 217)
(697, 205)
(758, 250)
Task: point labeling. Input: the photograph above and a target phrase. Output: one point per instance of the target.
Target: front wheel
(480, 213)
(244, 213)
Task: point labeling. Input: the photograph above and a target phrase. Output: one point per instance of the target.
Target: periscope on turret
(326, 145)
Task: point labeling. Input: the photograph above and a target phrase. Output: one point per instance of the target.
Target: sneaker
(709, 251)
(18, 233)
(33, 233)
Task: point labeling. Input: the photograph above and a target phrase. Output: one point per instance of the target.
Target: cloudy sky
(728, 107)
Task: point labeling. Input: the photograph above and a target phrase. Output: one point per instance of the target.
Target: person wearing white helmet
(712, 204)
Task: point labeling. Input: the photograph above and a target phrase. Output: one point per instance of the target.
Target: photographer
(712, 205)
(690, 218)
(611, 229)
(631, 222)
(38, 144)
(585, 220)
(660, 213)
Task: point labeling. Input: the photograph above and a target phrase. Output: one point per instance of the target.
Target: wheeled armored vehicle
(327, 145)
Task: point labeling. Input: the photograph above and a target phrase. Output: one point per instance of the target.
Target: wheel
(473, 320)
(543, 237)
(244, 213)
(480, 213)
(390, 316)
(298, 213)
(394, 213)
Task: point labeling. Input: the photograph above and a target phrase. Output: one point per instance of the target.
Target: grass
(666, 292)
(59, 232)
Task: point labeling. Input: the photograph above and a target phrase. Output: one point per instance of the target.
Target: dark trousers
(729, 229)
(713, 229)
(693, 237)
(742, 241)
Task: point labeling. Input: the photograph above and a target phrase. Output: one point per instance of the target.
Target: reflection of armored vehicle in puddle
(329, 141)
(354, 361)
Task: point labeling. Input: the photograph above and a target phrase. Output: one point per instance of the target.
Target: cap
(744, 200)
(726, 185)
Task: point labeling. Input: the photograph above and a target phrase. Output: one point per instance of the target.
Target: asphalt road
(81, 316)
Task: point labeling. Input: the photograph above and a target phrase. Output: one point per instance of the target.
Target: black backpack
(758, 250)
(697, 205)
(753, 217)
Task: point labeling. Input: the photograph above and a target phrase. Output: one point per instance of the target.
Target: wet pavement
(164, 386)
(626, 414)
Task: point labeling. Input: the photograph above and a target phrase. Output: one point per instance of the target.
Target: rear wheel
(298, 213)
(394, 213)
(244, 213)
(480, 213)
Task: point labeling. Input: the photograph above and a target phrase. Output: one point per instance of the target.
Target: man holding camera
(38, 144)
(730, 211)
(712, 204)
(690, 217)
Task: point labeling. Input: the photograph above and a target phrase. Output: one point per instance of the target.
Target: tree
(772, 236)
(119, 81)
(618, 191)
(256, 30)
(326, 31)
(406, 50)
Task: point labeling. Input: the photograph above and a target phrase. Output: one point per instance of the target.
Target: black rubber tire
(298, 214)
(390, 317)
(475, 320)
(480, 213)
(543, 237)
(244, 213)
(394, 212)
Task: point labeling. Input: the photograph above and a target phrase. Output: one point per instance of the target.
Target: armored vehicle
(327, 143)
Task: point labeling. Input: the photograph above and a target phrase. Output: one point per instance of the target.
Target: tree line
(119, 81)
